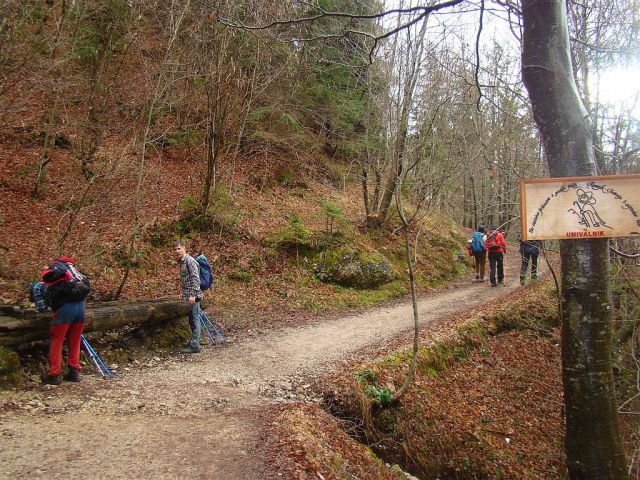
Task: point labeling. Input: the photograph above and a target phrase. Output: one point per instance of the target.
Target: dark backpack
(206, 277)
(65, 284)
(477, 245)
(531, 247)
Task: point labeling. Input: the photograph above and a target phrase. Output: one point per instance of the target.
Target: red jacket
(496, 243)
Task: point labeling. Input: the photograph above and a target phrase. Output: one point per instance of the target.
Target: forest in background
(126, 124)
(103, 95)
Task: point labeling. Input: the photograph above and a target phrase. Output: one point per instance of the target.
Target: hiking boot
(51, 380)
(190, 350)
(72, 376)
(521, 280)
(494, 284)
(477, 277)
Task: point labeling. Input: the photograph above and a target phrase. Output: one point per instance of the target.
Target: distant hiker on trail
(479, 252)
(529, 249)
(497, 247)
(191, 292)
(64, 289)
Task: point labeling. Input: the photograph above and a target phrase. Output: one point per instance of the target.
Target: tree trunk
(474, 204)
(211, 161)
(21, 326)
(593, 442)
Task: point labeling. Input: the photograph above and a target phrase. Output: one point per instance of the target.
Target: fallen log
(19, 325)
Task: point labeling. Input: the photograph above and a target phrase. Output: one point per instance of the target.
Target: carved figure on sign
(587, 213)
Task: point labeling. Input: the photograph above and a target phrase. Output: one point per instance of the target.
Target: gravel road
(198, 416)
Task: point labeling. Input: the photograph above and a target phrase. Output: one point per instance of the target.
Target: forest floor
(210, 415)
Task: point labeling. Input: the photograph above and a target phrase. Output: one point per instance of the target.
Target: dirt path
(198, 416)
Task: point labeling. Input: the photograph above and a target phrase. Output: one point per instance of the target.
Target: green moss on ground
(9, 361)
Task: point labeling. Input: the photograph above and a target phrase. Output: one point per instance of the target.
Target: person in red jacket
(63, 289)
(497, 247)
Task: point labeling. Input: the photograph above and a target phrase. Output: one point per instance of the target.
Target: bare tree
(163, 80)
(604, 33)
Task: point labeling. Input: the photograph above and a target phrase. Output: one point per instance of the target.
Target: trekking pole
(213, 326)
(200, 313)
(102, 368)
(204, 325)
(92, 358)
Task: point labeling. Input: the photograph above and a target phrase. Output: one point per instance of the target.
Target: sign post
(580, 207)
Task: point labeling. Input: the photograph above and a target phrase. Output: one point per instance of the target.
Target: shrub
(219, 217)
(183, 137)
(285, 178)
(368, 381)
(9, 361)
(294, 237)
(334, 217)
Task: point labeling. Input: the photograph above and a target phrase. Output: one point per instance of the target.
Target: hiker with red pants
(497, 247)
(64, 289)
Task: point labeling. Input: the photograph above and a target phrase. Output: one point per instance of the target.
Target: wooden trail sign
(580, 207)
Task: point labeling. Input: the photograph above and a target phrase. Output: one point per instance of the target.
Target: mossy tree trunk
(593, 442)
(21, 326)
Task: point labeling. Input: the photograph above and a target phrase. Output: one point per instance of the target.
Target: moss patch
(9, 361)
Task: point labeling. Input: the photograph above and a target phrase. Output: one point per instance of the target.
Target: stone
(353, 268)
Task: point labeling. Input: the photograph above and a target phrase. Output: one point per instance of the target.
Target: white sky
(618, 87)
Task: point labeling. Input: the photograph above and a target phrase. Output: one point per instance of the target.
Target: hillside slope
(94, 221)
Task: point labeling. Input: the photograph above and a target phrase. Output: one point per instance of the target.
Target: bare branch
(596, 48)
(477, 72)
(622, 254)
(421, 13)
(422, 10)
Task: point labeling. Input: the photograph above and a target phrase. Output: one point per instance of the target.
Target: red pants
(57, 334)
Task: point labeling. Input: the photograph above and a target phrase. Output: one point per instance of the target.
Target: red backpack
(64, 283)
(492, 242)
